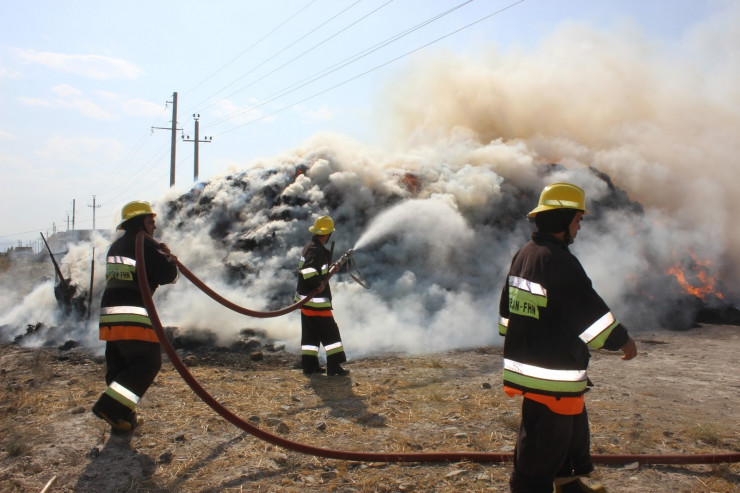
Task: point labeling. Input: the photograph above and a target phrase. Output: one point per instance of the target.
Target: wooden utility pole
(196, 141)
(94, 206)
(173, 146)
(92, 276)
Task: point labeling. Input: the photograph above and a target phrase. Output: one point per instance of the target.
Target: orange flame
(699, 275)
(411, 182)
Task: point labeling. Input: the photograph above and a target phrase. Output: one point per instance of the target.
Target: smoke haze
(649, 131)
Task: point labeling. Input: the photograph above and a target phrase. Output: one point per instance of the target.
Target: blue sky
(83, 83)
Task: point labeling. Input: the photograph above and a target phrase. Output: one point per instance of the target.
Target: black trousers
(314, 332)
(132, 364)
(549, 445)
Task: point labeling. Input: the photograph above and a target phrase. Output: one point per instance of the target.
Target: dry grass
(16, 442)
(439, 403)
(707, 433)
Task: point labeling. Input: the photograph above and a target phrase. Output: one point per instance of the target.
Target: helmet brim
(543, 208)
(120, 228)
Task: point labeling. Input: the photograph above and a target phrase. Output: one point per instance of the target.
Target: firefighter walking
(317, 320)
(550, 316)
(132, 350)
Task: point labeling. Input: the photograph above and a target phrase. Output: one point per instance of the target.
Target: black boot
(579, 486)
(119, 417)
(131, 418)
(337, 371)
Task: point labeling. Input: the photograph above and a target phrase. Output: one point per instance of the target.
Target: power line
(370, 70)
(249, 48)
(139, 143)
(310, 31)
(310, 49)
(143, 169)
(347, 61)
(137, 174)
(138, 178)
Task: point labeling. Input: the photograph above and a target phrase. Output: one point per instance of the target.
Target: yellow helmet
(133, 209)
(322, 226)
(560, 196)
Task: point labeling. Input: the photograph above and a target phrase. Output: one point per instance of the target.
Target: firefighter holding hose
(132, 350)
(550, 316)
(317, 320)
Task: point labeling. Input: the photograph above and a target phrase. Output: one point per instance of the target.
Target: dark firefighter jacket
(550, 315)
(122, 312)
(312, 269)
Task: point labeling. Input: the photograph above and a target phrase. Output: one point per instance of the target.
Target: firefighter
(317, 321)
(132, 351)
(550, 316)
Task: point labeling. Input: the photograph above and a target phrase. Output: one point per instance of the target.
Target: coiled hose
(483, 457)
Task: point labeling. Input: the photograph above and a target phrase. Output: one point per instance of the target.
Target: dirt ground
(679, 396)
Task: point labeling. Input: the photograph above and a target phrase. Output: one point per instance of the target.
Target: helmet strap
(134, 225)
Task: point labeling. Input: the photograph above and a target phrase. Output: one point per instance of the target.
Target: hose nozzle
(345, 257)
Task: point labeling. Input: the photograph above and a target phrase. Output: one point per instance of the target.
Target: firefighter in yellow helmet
(317, 320)
(550, 316)
(132, 352)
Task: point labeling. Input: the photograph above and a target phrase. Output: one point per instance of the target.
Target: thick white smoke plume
(649, 131)
(29, 307)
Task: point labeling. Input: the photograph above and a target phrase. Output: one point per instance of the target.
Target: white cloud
(84, 106)
(93, 66)
(66, 91)
(227, 109)
(84, 151)
(322, 113)
(36, 102)
(71, 98)
(133, 106)
(13, 166)
(142, 107)
(89, 108)
(7, 73)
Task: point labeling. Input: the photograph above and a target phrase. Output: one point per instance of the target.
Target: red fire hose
(239, 309)
(484, 457)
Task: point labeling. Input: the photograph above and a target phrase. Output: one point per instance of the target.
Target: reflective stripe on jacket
(122, 312)
(313, 268)
(550, 315)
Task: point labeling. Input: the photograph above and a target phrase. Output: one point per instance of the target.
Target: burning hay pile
(433, 243)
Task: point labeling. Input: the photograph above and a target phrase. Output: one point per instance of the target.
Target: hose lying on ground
(485, 457)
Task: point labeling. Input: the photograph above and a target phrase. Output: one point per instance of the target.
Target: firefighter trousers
(132, 364)
(317, 330)
(549, 446)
